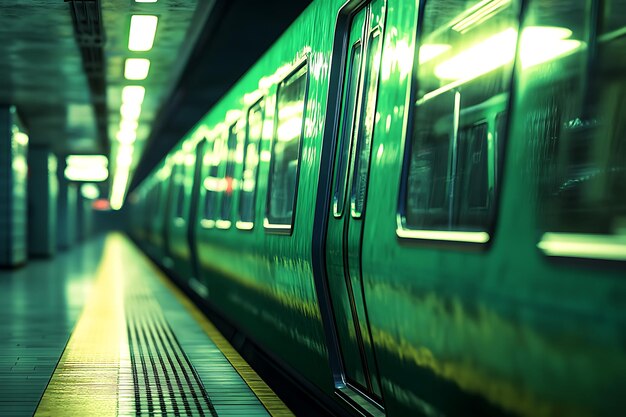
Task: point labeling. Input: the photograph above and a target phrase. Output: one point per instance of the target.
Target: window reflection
(464, 74)
(179, 181)
(251, 163)
(286, 149)
(229, 184)
(213, 180)
(573, 107)
(366, 125)
(347, 128)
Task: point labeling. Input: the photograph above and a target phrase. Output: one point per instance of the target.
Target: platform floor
(98, 330)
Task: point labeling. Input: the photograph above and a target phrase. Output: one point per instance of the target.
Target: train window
(157, 200)
(155, 195)
(283, 177)
(366, 127)
(464, 70)
(472, 175)
(614, 13)
(347, 128)
(247, 196)
(212, 182)
(179, 181)
(229, 183)
(572, 102)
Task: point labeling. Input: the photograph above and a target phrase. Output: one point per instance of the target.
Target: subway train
(418, 208)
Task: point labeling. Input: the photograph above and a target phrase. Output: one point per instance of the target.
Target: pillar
(42, 202)
(13, 186)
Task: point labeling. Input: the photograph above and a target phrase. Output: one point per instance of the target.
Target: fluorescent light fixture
(133, 94)
(130, 111)
(136, 68)
(145, 1)
(89, 174)
(120, 181)
(126, 137)
(20, 137)
(118, 189)
(90, 168)
(90, 191)
(87, 160)
(124, 160)
(142, 31)
(127, 124)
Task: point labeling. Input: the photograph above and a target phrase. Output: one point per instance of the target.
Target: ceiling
(41, 72)
(63, 61)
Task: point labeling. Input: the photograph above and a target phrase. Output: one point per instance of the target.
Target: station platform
(99, 330)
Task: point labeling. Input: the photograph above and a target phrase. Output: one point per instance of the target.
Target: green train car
(418, 208)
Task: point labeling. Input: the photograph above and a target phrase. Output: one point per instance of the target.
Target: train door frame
(192, 233)
(341, 55)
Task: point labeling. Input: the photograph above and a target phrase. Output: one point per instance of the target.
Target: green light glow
(453, 236)
(538, 44)
(612, 247)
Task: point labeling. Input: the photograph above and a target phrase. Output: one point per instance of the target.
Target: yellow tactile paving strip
(274, 405)
(85, 382)
(94, 365)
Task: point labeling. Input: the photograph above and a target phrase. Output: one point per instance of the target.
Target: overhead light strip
(142, 32)
(136, 69)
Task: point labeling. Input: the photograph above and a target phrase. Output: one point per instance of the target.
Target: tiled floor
(39, 306)
(139, 347)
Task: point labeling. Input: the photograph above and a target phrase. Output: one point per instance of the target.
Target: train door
(193, 210)
(347, 205)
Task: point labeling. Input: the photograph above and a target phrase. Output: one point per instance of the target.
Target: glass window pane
(465, 63)
(286, 148)
(366, 127)
(228, 183)
(254, 130)
(614, 19)
(347, 128)
(179, 181)
(156, 192)
(213, 181)
(573, 102)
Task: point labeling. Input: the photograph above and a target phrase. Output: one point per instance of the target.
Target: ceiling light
(91, 168)
(86, 160)
(142, 31)
(133, 94)
(90, 191)
(126, 137)
(20, 137)
(90, 174)
(127, 124)
(124, 156)
(136, 68)
(119, 188)
(130, 111)
(145, 1)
